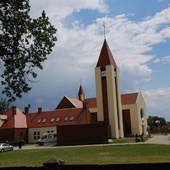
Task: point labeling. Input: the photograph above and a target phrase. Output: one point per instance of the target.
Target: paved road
(159, 139)
(155, 139)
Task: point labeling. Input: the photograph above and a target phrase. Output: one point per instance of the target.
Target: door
(126, 123)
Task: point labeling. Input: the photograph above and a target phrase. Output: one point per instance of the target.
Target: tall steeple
(105, 57)
(81, 95)
(108, 92)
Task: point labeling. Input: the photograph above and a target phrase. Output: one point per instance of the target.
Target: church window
(115, 72)
(142, 115)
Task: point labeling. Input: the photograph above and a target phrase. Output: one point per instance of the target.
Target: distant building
(109, 115)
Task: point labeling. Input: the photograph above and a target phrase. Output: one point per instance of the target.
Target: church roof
(105, 57)
(130, 98)
(67, 102)
(91, 102)
(127, 99)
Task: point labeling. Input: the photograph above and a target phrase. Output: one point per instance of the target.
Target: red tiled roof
(105, 57)
(55, 118)
(17, 120)
(91, 102)
(20, 119)
(129, 98)
(8, 124)
(125, 98)
(30, 117)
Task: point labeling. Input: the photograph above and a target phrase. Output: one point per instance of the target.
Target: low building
(14, 126)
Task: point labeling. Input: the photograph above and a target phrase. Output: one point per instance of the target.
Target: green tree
(4, 104)
(153, 126)
(24, 46)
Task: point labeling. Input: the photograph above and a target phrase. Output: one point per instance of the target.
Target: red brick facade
(82, 134)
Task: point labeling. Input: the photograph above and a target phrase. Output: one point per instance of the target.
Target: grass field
(143, 153)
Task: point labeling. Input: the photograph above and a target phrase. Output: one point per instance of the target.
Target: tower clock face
(103, 73)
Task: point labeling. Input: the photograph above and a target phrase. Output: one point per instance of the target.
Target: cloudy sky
(138, 34)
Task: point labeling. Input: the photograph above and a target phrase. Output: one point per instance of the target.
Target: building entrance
(126, 123)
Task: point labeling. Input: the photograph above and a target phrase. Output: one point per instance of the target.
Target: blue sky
(138, 34)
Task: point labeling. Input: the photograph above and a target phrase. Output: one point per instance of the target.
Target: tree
(153, 125)
(24, 46)
(4, 104)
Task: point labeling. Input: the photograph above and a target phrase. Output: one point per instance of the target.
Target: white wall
(35, 133)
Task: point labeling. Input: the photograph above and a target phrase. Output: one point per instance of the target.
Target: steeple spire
(105, 57)
(81, 95)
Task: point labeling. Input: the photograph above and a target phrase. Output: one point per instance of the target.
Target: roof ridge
(71, 100)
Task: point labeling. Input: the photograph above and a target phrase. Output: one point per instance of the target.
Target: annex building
(83, 120)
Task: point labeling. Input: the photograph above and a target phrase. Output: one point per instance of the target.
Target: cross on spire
(104, 27)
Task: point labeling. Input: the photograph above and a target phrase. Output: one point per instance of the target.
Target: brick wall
(14, 134)
(82, 134)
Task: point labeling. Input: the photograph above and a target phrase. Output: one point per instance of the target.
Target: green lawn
(89, 155)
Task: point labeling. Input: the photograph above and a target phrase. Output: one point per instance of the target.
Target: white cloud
(166, 59)
(157, 60)
(59, 10)
(132, 74)
(77, 49)
(157, 101)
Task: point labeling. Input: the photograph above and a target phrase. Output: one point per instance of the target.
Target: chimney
(26, 110)
(39, 110)
(85, 105)
(14, 110)
(86, 112)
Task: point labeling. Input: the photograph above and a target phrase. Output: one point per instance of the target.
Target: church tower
(81, 95)
(108, 94)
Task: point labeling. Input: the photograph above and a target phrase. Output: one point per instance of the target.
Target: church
(109, 115)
